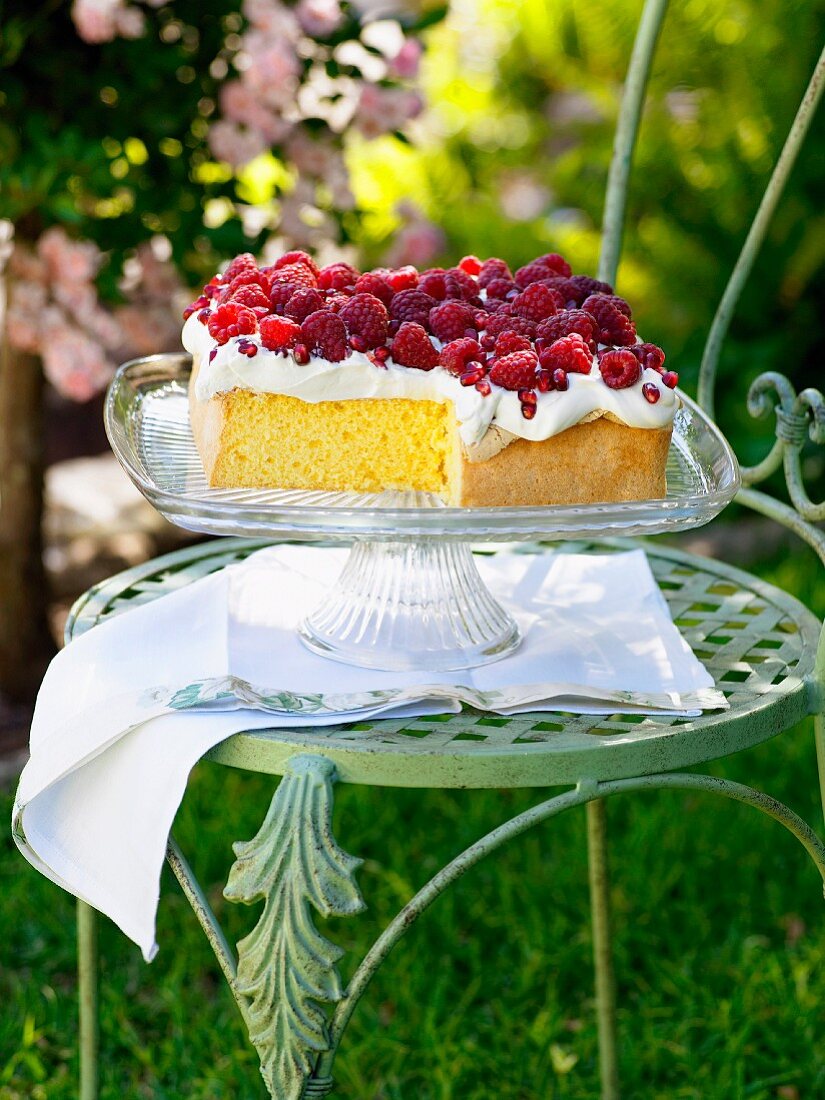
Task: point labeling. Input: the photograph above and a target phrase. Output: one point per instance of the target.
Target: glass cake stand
(410, 595)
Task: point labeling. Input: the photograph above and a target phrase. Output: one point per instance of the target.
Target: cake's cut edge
(262, 440)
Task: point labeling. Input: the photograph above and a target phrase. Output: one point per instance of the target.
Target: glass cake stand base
(415, 606)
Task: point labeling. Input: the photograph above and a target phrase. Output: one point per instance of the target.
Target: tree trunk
(25, 641)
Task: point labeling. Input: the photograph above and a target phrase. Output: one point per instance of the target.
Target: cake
(484, 387)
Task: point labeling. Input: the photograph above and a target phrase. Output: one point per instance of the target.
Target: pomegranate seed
(651, 392)
(560, 378)
(545, 381)
(476, 302)
(511, 294)
(488, 342)
(394, 326)
(204, 315)
(358, 343)
(473, 373)
(480, 318)
(300, 353)
(528, 411)
(670, 379)
(527, 397)
(484, 387)
(212, 354)
(382, 354)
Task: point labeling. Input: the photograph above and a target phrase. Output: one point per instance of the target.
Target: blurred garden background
(142, 144)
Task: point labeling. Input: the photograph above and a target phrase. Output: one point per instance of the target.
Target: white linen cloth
(115, 735)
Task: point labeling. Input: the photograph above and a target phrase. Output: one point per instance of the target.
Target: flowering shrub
(142, 142)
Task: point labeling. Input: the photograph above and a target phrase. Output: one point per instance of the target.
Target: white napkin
(128, 708)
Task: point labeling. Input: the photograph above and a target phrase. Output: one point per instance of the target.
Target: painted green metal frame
(294, 863)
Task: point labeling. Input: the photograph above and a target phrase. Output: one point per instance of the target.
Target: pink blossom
(75, 364)
(381, 110)
(417, 243)
(272, 17)
(96, 20)
(311, 156)
(319, 18)
(129, 22)
(271, 68)
(234, 144)
(406, 62)
(240, 104)
(68, 261)
(26, 301)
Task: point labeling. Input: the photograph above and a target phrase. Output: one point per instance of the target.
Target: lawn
(720, 940)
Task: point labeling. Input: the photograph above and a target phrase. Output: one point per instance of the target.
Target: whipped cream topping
(357, 377)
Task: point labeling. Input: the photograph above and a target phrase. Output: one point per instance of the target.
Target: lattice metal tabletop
(757, 642)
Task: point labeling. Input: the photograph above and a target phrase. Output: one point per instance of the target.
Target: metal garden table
(759, 644)
(764, 649)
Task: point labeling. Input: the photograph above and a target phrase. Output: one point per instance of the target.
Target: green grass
(720, 942)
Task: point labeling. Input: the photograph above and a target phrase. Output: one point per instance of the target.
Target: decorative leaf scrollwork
(286, 968)
(798, 417)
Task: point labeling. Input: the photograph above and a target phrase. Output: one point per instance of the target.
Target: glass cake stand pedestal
(410, 596)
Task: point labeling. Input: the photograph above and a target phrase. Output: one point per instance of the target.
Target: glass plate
(147, 421)
(410, 596)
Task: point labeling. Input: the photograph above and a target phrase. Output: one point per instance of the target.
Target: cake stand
(410, 596)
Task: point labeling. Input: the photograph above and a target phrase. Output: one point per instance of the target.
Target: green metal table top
(757, 642)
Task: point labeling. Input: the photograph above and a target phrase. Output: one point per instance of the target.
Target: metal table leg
(87, 994)
(602, 947)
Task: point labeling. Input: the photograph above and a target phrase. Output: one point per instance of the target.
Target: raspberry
(248, 277)
(434, 283)
(567, 322)
(231, 320)
(336, 302)
(557, 264)
(451, 321)
(457, 354)
(620, 369)
(614, 327)
(537, 302)
(299, 274)
(280, 293)
(302, 303)
(337, 276)
(366, 317)
(501, 322)
(515, 372)
(244, 262)
(571, 353)
(493, 269)
(585, 286)
(370, 283)
(412, 348)
(460, 284)
(296, 257)
(573, 295)
(251, 295)
(533, 272)
(325, 334)
(412, 305)
(279, 333)
(199, 303)
(405, 278)
(649, 355)
(500, 288)
(510, 341)
(620, 304)
(470, 264)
